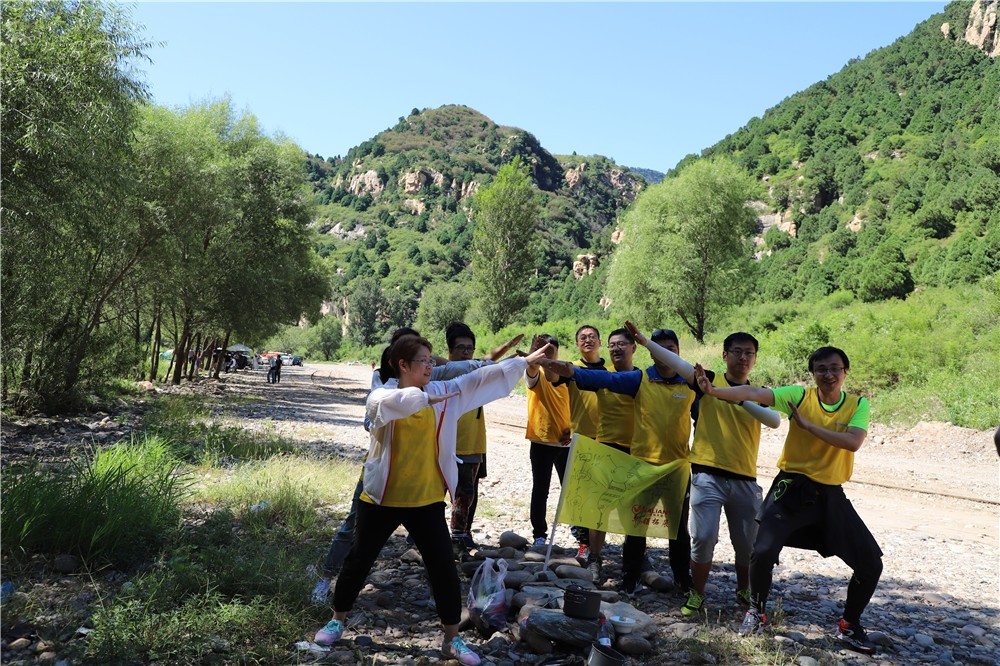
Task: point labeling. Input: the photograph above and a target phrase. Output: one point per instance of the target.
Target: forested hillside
(885, 177)
(397, 208)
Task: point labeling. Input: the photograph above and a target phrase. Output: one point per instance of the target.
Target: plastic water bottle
(603, 637)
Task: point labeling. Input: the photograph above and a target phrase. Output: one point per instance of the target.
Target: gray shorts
(741, 499)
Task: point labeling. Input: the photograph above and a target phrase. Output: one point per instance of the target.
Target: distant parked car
(286, 359)
(296, 360)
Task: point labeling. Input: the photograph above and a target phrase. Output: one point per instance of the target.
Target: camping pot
(602, 655)
(581, 603)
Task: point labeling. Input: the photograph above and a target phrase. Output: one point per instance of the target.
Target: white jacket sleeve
(668, 358)
(486, 384)
(390, 404)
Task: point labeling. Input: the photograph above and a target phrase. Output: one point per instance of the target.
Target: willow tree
(235, 256)
(686, 248)
(502, 255)
(73, 233)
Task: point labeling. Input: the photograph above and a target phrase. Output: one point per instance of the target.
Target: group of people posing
(428, 439)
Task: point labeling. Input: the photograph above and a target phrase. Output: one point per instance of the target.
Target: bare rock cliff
(982, 31)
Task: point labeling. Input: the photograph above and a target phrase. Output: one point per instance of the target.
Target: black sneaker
(853, 635)
(596, 568)
(631, 588)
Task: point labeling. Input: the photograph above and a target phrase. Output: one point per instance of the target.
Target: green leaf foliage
(904, 140)
(502, 245)
(685, 249)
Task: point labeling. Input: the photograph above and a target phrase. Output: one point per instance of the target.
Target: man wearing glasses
(470, 448)
(652, 412)
(723, 462)
(584, 412)
(806, 506)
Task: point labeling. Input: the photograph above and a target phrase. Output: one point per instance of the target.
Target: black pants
(543, 458)
(429, 529)
(802, 506)
(634, 551)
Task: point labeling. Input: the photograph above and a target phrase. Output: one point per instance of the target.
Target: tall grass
(283, 490)
(185, 420)
(205, 628)
(115, 507)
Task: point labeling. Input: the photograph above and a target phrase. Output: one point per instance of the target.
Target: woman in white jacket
(411, 464)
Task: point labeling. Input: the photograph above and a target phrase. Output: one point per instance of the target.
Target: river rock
(556, 626)
(537, 643)
(65, 563)
(412, 556)
(564, 583)
(512, 540)
(516, 579)
(631, 644)
(546, 576)
(574, 571)
(644, 624)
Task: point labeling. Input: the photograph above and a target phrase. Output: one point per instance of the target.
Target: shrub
(117, 507)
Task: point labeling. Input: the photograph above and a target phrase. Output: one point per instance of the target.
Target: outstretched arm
(768, 417)
(732, 393)
(390, 404)
(662, 356)
(490, 383)
(499, 352)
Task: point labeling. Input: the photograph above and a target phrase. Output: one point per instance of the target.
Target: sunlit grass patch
(116, 506)
(204, 628)
(281, 489)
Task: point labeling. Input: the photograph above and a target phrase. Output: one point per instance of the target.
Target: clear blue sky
(644, 84)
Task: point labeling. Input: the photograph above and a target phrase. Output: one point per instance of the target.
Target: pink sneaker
(457, 649)
(331, 633)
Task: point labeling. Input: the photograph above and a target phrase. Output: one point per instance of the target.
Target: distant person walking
(277, 369)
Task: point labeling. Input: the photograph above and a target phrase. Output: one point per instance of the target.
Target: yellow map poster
(605, 489)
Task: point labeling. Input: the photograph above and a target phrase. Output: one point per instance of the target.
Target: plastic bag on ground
(487, 597)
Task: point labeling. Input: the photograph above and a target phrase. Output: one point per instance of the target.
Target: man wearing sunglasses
(806, 506)
(723, 462)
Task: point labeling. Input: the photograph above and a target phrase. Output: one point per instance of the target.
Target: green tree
(73, 233)
(367, 303)
(327, 337)
(441, 304)
(685, 248)
(502, 255)
(884, 275)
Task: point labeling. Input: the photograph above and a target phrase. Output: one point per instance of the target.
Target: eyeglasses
(740, 353)
(423, 361)
(464, 348)
(619, 345)
(832, 372)
(587, 338)
(663, 333)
